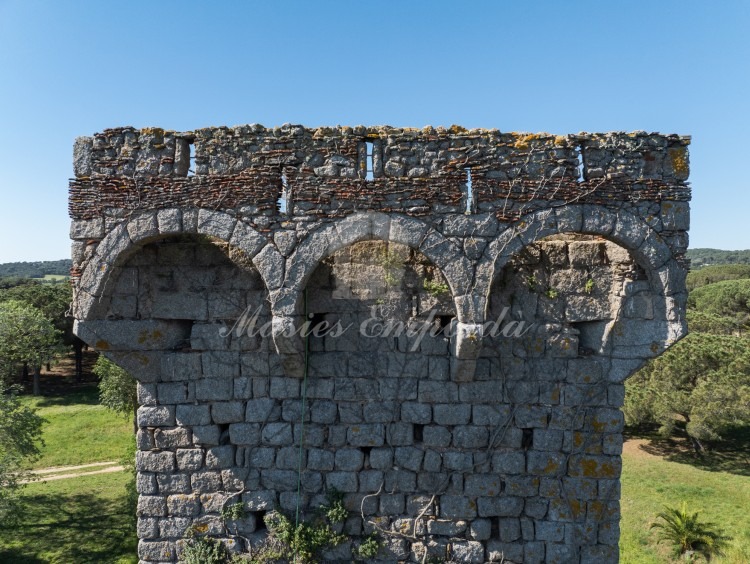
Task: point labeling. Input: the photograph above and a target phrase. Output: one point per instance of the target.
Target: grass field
(76, 520)
(79, 520)
(85, 519)
(79, 430)
(656, 473)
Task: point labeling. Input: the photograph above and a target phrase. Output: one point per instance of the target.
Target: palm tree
(689, 535)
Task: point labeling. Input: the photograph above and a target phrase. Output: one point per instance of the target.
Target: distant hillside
(36, 269)
(706, 257)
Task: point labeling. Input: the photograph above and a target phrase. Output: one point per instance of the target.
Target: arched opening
(384, 299)
(376, 360)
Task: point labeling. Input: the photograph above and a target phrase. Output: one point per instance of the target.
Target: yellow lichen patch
(598, 426)
(596, 509)
(589, 467)
(102, 345)
(200, 528)
(156, 131)
(592, 469)
(552, 467)
(456, 129)
(561, 140)
(523, 141)
(678, 160)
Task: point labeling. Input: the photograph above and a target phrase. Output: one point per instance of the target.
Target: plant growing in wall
(435, 288)
(589, 286)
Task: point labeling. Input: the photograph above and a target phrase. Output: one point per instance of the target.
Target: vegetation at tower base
(117, 388)
(688, 534)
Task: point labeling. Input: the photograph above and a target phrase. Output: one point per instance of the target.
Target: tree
(728, 298)
(20, 433)
(26, 336)
(717, 273)
(689, 535)
(53, 300)
(117, 389)
(700, 386)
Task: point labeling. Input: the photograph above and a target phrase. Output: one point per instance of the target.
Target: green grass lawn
(79, 520)
(651, 481)
(79, 430)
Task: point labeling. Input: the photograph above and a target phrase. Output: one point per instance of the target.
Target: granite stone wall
(480, 298)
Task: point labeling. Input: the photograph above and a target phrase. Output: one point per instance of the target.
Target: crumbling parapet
(177, 234)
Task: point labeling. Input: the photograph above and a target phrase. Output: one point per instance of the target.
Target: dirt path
(63, 472)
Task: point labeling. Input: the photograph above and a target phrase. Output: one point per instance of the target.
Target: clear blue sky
(74, 68)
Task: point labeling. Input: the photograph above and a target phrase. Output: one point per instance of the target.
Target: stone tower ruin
(480, 298)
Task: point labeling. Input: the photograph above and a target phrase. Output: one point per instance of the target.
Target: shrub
(689, 535)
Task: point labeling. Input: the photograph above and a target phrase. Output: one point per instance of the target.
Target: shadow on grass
(731, 455)
(78, 528)
(86, 395)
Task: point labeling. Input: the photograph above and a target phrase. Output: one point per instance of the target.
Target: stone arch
(330, 237)
(647, 249)
(124, 240)
(621, 227)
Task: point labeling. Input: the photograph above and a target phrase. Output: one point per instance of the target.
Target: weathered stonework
(475, 443)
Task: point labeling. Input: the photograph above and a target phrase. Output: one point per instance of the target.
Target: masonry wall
(469, 443)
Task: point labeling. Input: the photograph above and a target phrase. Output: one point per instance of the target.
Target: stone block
(349, 459)
(219, 457)
(370, 435)
(156, 551)
(420, 413)
(467, 436)
(161, 416)
(151, 506)
(213, 389)
(206, 435)
(452, 414)
(342, 481)
(457, 507)
(504, 506)
(227, 412)
(189, 459)
(155, 461)
(145, 483)
(381, 458)
(478, 485)
(277, 434)
(172, 438)
(173, 483)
